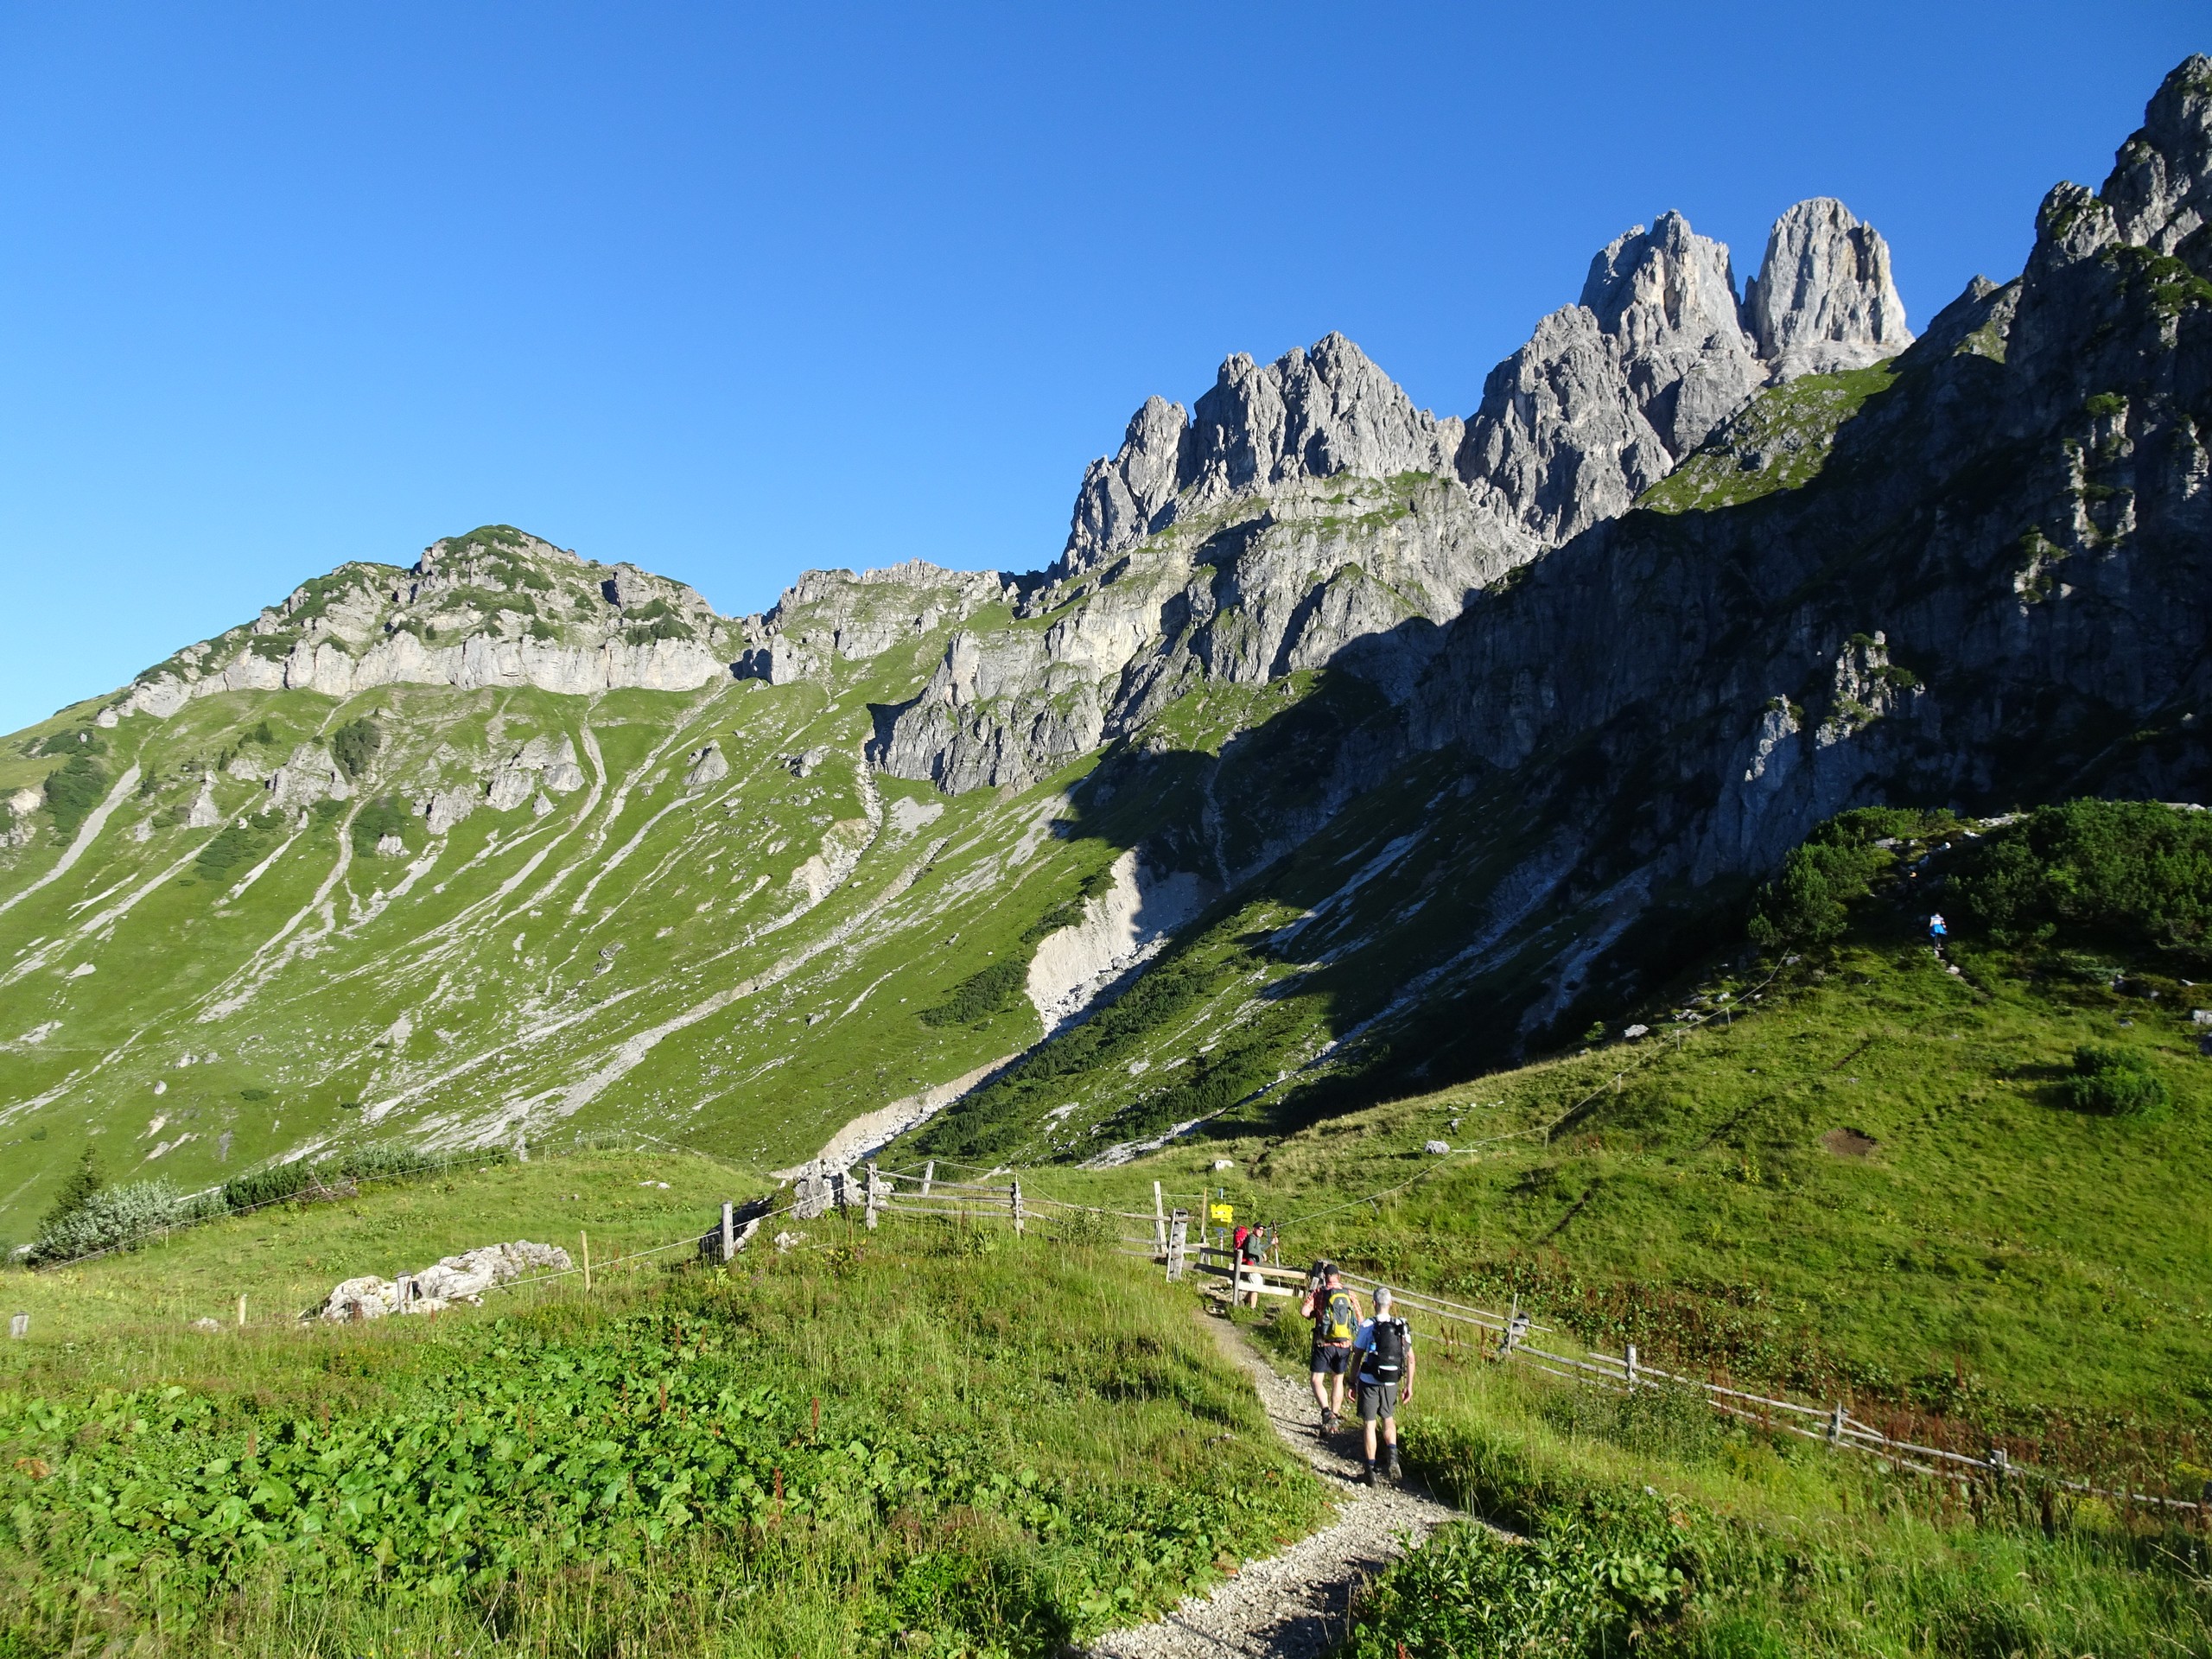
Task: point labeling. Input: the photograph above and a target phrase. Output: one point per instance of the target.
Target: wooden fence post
(1159, 1219)
(583, 1243)
(1178, 1239)
(729, 1230)
(1631, 1368)
(874, 1194)
(929, 1174)
(1835, 1424)
(1013, 1195)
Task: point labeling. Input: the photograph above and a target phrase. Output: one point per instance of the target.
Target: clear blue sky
(733, 290)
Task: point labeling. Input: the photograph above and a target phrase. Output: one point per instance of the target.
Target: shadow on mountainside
(1994, 593)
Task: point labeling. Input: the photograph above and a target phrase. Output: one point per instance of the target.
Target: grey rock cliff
(1667, 299)
(2160, 188)
(1309, 414)
(1824, 299)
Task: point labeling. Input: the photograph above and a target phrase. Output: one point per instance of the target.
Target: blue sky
(730, 292)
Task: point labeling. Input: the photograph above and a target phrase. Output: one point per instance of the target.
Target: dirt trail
(1296, 1603)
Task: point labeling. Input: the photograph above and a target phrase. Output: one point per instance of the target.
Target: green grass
(1017, 1444)
(1874, 1185)
(285, 1261)
(1781, 442)
(1657, 1527)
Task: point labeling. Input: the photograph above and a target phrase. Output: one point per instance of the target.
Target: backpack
(1385, 1360)
(1339, 1318)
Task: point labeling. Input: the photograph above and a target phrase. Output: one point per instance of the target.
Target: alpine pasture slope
(695, 909)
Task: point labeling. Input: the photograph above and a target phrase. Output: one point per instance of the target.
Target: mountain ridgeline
(1344, 749)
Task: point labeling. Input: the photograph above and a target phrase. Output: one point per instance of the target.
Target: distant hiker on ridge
(1335, 1314)
(1385, 1345)
(1937, 932)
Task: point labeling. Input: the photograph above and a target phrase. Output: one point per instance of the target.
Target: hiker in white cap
(1385, 1347)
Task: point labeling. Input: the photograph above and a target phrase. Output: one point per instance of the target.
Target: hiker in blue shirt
(1936, 931)
(1385, 1347)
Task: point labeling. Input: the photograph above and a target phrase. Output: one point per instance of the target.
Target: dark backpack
(1385, 1360)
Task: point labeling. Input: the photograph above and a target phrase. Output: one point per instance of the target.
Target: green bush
(85, 740)
(241, 843)
(1587, 1583)
(117, 1215)
(379, 818)
(354, 745)
(2115, 1081)
(72, 790)
(1809, 902)
(2132, 872)
(980, 997)
(269, 1185)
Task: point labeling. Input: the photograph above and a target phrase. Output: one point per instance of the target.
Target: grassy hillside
(1657, 1527)
(1015, 1444)
(1855, 1174)
(739, 963)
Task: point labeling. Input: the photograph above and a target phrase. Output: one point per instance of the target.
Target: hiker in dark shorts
(1385, 1346)
(1335, 1314)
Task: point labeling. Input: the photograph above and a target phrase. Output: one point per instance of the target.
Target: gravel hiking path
(1296, 1604)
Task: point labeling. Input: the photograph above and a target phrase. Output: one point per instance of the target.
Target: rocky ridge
(1986, 586)
(1306, 505)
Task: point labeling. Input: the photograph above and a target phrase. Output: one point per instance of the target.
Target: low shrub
(2132, 872)
(379, 818)
(116, 1216)
(1591, 1581)
(354, 745)
(980, 997)
(269, 1185)
(240, 844)
(72, 790)
(2116, 1082)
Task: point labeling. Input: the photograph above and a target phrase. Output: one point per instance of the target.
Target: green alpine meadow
(537, 1117)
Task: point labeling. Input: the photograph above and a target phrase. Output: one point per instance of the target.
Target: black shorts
(1331, 1361)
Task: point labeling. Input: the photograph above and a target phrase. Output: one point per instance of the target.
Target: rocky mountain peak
(1824, 299)
(1310, 414)
(1609, 394)
(2160, 188)
(1307, 414)
(1667, 299)
(1121, 498)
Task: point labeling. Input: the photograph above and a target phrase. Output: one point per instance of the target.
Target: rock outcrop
(463, 1278)
(2159, 192)
(1823, 299)
(1307, 416)
(1306, 507)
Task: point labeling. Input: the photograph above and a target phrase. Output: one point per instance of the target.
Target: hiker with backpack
(1335, 1314)
(1251, 1250)
(1385, 1345)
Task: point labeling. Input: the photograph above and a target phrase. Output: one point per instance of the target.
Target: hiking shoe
(1367, 1476)
(1328, 1422)
(1394, 1463)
